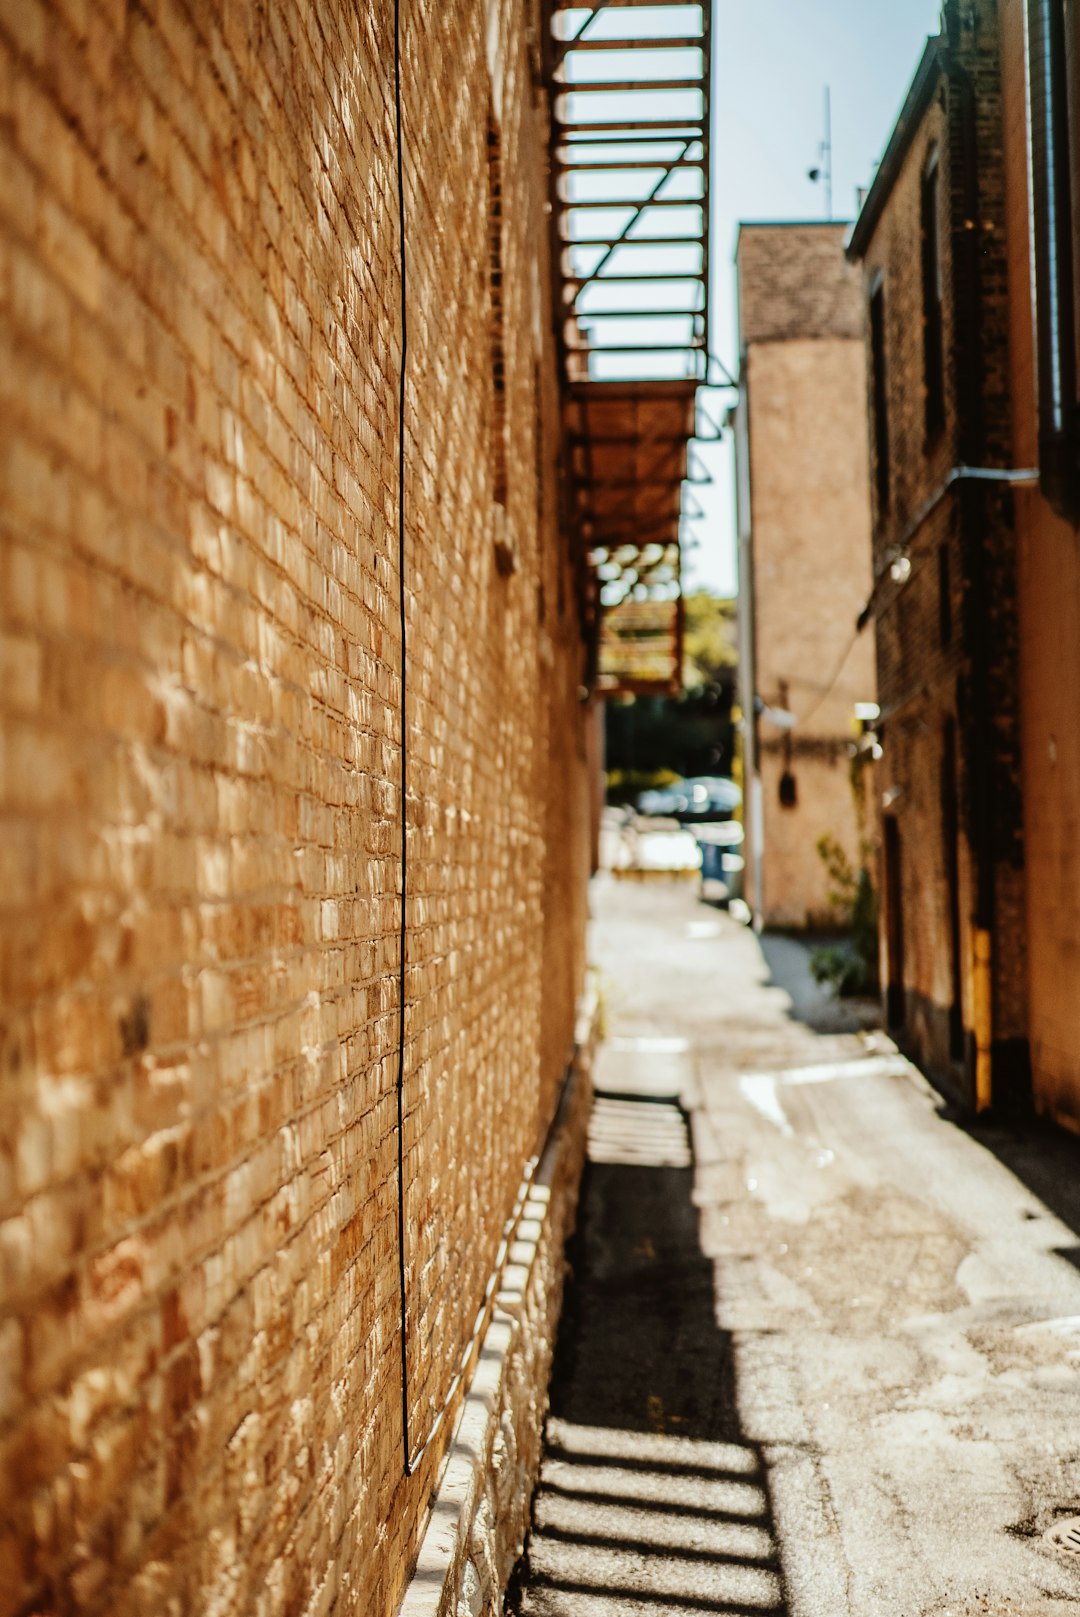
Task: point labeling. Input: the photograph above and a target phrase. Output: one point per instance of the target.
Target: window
(933, 327)
(881, 412)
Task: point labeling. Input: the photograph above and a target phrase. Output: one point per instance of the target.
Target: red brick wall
(199, 1339)
(928, 655)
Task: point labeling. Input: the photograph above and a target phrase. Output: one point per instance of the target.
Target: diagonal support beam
(567, 45)
(669, 170)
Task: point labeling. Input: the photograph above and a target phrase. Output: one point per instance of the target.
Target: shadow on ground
(651, 1498)
(813, 1003)
(1047, 1161)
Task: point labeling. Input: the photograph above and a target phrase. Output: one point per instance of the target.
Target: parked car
(702, 797)
(662, 801)
(711, 797)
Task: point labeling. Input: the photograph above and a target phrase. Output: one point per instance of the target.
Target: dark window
(944, 574)
(881, 411)
(933, 329)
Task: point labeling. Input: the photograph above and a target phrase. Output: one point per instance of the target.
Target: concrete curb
(480, 1510)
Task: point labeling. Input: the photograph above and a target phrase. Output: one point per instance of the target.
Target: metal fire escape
(629, 83)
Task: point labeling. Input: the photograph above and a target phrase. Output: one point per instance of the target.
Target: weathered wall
(804, 371)
(1049, 576)
(920, 650)
(200, 1394)
(947, 633)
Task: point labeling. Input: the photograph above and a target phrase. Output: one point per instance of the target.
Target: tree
(710, 652)
(653, 737)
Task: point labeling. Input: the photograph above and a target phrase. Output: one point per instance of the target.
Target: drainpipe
(1051, 195)
(972, 515)
(981, 933)
(1014, 476)
(752, 804)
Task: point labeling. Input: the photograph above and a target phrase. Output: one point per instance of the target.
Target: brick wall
(795, 284)
(804, 373)
(200, 1384)
(947, 634)
(1049, 588)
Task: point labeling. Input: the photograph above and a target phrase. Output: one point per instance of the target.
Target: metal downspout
(972, 517)
(752, 804)
(1052, 206)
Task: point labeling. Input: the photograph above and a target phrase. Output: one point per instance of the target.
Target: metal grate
(1064, 1536)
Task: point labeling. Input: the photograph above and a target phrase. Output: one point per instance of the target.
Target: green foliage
(623, 785)
(842, 878)
(689, 734)
(709, 640)
(850, 966)
(838, 965)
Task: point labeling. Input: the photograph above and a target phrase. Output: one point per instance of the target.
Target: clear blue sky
(772, 61)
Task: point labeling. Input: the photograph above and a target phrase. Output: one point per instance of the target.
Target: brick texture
(1048, 564)
(804, 371)
(795, 284)
(947, 633)
(199, 356)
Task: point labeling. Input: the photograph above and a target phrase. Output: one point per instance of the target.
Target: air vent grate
(1065, 1536)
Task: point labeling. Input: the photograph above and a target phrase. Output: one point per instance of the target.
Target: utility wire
(403, 936)
(831, 686)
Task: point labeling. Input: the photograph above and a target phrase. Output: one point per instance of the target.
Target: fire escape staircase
(629, 83)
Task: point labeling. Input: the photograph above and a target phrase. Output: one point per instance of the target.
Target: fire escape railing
(630, 90)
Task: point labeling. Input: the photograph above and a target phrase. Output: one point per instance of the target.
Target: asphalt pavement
(820, 1355)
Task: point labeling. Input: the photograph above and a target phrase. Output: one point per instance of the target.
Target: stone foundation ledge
(480, 1511)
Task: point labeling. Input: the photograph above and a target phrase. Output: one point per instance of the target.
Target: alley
(821, 1348)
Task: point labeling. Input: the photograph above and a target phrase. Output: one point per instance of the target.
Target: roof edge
(790, 224)
(932, 65)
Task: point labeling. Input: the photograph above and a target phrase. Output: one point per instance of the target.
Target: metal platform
(630, 85)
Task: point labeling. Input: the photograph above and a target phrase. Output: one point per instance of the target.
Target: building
(932, 247)
(804, 516)
(1038, 223)
(300, 619)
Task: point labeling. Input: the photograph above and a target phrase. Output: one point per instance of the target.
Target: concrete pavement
(821, 1352)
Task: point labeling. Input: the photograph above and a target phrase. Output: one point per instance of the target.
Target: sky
(772, 61)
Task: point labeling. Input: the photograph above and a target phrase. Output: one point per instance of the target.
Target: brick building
(251, 1214)
(804, 573)
(1040, 115)
(932, 246)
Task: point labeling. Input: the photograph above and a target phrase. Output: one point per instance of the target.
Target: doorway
(950, 832)
(895, 1006)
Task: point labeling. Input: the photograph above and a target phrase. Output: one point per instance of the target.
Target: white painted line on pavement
(760, 1090)
(763, 1092)
(829, 1071)
(649, 1046)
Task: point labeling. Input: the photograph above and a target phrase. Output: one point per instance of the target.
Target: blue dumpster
(721, 860)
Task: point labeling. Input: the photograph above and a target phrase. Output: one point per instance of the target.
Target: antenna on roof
(823, 168)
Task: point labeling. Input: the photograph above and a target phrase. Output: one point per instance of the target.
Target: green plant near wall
(851, 965)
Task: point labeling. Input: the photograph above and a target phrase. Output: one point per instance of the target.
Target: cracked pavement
(821, 1350)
